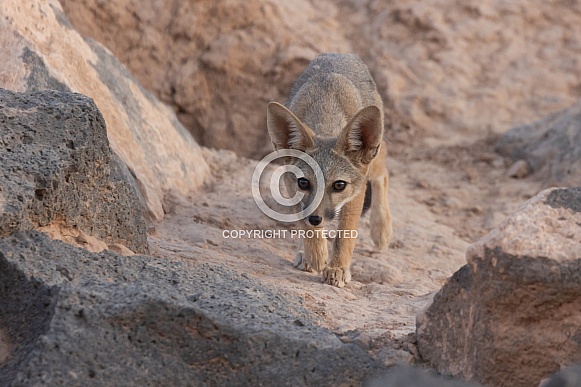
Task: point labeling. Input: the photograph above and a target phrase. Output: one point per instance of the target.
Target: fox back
(330, 91)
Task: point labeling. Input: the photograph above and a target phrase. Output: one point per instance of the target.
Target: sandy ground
(442, 199)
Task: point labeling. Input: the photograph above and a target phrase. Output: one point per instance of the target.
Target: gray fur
(341, 86)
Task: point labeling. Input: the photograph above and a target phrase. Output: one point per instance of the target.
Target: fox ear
(286, 130)
(362, 136)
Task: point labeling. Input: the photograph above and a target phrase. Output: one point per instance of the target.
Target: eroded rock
(512, 315)
(219, 63)
(56, 169)
(39, 50)
(80, 318)
(457, 71)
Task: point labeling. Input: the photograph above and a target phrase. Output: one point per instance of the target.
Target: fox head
(344, 159)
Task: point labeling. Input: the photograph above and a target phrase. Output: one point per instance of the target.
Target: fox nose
(315, 220)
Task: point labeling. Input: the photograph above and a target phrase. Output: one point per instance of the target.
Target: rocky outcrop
(458, 71)
(40, 50)
(79, 318)
(549, 149)
(512, 315)
(463, 70)
(219, 63)
(57, 171)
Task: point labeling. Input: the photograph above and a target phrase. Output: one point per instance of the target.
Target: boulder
(512, 315)
(57, 171)
(72, 317)
(39, 49)
(549, 148)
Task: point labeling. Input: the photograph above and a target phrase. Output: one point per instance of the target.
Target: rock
(57, 170)
(461, 71)
(367, 270)
(569, 377)
(80, 318)
(445, 71)
(39, 49)
(400, 376)
(220, 74)
(390, 357)
(518, 169)
(551, 147)
(512, 315)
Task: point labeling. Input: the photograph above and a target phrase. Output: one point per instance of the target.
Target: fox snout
(315, 220)
(321, 217)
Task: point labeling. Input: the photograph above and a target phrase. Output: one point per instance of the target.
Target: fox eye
(303, 183)
(339, 185)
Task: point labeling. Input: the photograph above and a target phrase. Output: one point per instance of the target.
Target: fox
(335, 115)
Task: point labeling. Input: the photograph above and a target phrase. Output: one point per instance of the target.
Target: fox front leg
(312, 254)
(338, 273)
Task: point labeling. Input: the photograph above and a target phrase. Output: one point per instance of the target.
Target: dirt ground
(442, 199)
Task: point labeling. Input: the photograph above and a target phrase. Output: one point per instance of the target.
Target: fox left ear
(362, 136)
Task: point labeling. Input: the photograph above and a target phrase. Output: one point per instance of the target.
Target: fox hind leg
(380, 219)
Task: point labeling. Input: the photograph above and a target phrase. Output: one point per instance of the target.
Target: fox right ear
(286, 130)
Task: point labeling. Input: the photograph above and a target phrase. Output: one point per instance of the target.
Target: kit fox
(335, 114)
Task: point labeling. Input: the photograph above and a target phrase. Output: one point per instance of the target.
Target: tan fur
(335, 115)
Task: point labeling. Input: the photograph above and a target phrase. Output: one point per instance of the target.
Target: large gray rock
(71, 317)
(512, 315)
(569, 377)
(550, 148)
(39, 50)
(56, 168)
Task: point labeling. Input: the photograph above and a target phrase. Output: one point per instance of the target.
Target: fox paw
(301, 262)
(336, 276)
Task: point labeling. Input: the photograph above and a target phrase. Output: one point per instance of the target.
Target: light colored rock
(39, 49)
(545, 226)
(217, 63)
(518, 169)
(457, 71)
(462, 70)
(367, 269)
(512, 315)
(120, 249)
